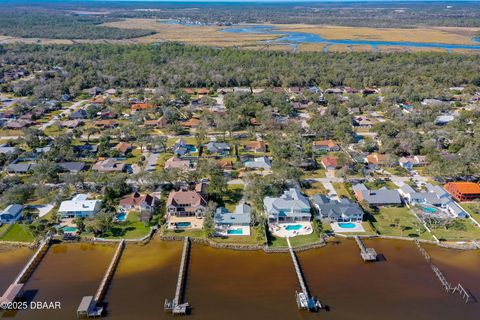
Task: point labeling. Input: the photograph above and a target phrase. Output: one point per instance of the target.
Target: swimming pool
(347, 225)
(293, 227)
(70, 229)
(122, 216)
(430, 210)
(235, 231)
(183, 224)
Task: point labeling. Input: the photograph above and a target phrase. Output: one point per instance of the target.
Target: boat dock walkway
(176, 306)
(368, 254)
(441, 277)
(304, 300)
(15, 289)
(90, 305)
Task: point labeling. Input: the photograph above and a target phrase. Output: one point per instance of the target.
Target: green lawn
(18, 232)
(197, 233)
(378, 184)
(256, 238)
(315, 188)
(473, 208)
(54, 131)
(135, 157)
(232, 197)
(278, 242)
(470, 231)
(342, 190)
(133, 228)
(385, 222)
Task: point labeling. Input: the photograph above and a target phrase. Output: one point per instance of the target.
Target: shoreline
(248, 247)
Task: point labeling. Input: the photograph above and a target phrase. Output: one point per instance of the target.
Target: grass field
(407, 224)
(342, 190)
(425, 34)
(18, 232)
(133, 228)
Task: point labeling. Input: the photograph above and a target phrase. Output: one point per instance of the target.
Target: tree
(208, 223)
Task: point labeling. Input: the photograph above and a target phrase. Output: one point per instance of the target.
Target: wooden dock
(368, 254)
(464, 294)
(176, 307)
(304, 300)
(15, 289)
(90, 306)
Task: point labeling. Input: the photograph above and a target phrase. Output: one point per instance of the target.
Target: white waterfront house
(79, 206)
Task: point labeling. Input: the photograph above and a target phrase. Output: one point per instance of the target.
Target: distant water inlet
(296, 38)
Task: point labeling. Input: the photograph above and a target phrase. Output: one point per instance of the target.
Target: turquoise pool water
(430, 210)
(293, 227)
(122, 216)
(347, 225)
(183, 224)
(235, 231)
(295, 38)
(70, 229)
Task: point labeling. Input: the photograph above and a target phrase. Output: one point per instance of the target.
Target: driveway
(151, 161)
(332, 193)
(43, 210)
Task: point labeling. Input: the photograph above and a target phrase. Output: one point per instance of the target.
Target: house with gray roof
(291, 206)
(344, 210)
(379, 197)
(6, 149)
(20, 168)
(434, 196)
(259, 163)
(240, 217)
(11, 214)
(221, 148)
(73, 167)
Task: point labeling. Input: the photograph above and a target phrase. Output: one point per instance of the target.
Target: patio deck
(281, 230)
(195, 223)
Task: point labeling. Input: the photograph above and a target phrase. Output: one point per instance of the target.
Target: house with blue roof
(11, 214)
(291, 206)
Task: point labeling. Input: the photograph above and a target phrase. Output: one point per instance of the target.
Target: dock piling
(441, 277)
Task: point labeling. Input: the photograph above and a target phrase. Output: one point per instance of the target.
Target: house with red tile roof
(124, 147)
(142, 106)
(330, 163)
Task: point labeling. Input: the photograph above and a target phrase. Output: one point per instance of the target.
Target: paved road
(151, 161)
(65, 112)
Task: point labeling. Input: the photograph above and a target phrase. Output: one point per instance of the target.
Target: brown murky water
(233, 285)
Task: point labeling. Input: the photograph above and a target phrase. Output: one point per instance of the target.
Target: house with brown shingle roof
(255, 146)
(124, 147)
(177, 163)
(159, 123)
(106, 124)
(186, 203)
(109, 165)
(377, 159)
(191, 123)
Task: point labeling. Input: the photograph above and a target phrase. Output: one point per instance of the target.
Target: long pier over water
(90, 306)
(176, 306)
(304, 300)
(15, 289)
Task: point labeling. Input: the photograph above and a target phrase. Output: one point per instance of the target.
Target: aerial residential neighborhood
(239, 159)
(152, 162)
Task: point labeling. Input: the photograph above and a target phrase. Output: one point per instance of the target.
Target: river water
(295, 38)
(225, 284)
